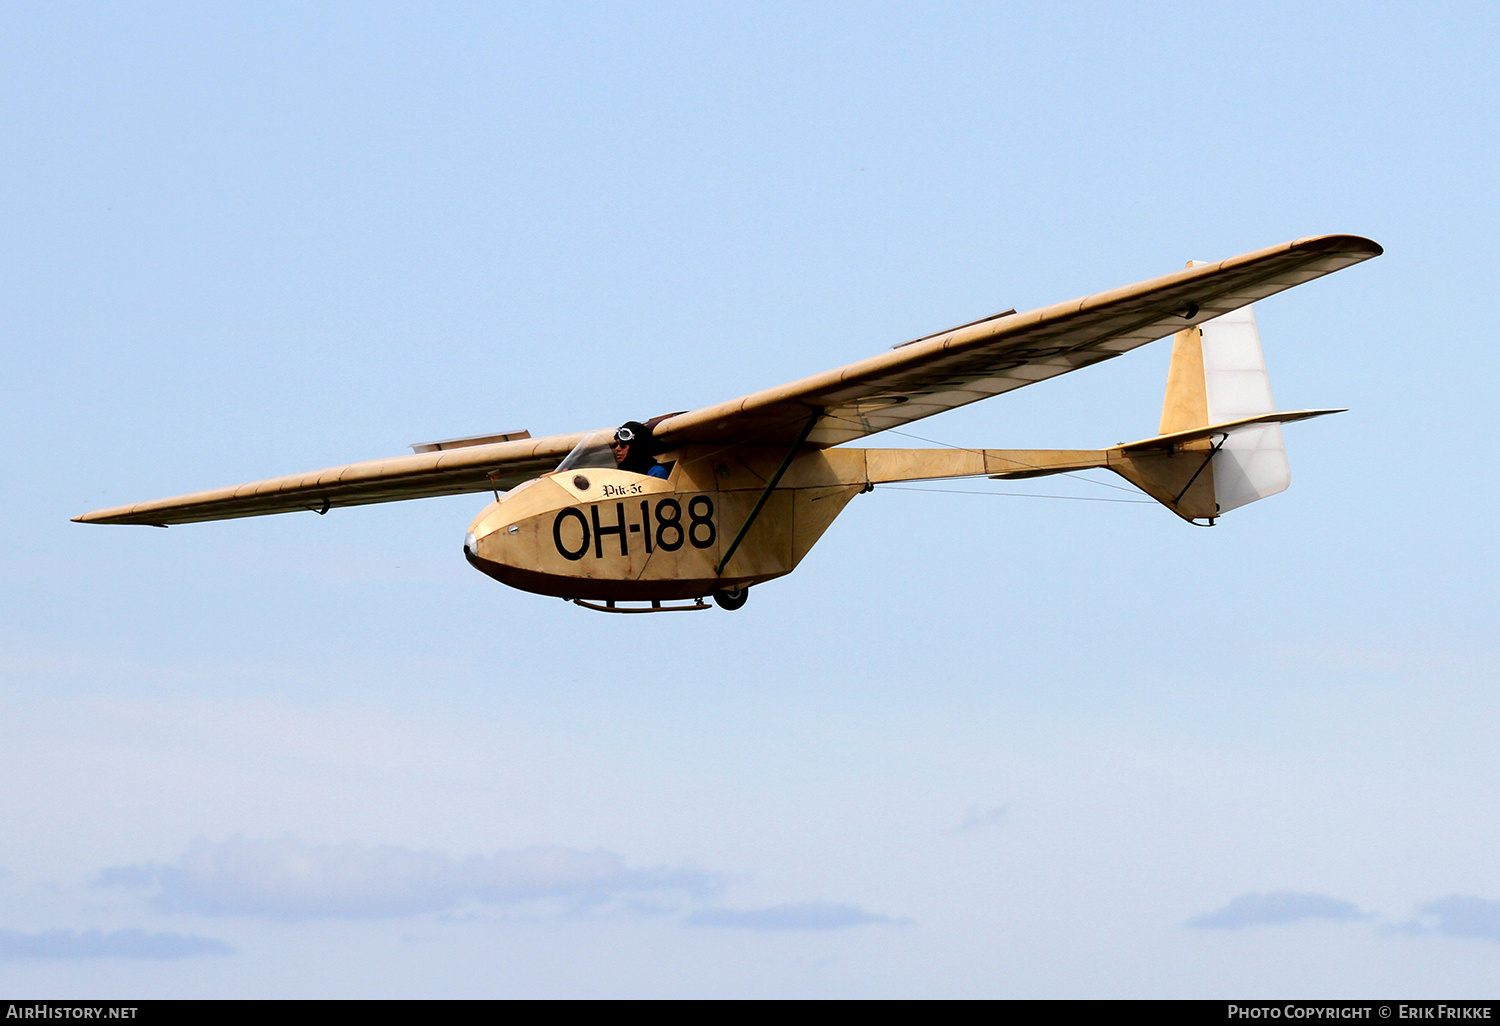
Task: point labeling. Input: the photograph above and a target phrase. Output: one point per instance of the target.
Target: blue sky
(978, 745)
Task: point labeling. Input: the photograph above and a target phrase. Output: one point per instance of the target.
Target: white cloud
(1276, 907)
(806, 915)
(977, 817)
(289, 879)
(1459, 915)
(69, 944)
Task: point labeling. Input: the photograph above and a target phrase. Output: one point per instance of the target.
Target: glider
(745, 488)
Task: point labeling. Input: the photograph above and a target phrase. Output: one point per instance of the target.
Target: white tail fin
(1219, 446)
(1218, 405)
(1218, 376)
(1252, 461)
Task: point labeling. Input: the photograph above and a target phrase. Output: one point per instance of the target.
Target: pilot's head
(632, 445)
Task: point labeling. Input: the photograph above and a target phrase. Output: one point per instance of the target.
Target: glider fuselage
(604, 534)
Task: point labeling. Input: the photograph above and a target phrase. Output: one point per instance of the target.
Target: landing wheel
(732, 598)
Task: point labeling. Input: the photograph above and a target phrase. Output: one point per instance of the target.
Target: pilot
(633, 447)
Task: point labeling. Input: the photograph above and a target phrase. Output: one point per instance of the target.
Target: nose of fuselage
(487, 563)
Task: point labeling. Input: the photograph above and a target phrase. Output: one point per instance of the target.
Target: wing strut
(1207, 460)
(765, 496)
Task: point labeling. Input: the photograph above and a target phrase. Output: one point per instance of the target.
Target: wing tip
(1352, 244)
(114, 516)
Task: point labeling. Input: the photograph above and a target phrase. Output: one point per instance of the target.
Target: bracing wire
(1021, 495)
(962, 448)
(961, 491)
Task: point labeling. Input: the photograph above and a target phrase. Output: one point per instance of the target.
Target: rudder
(1217, 376)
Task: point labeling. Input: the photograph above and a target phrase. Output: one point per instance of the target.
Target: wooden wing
(973, 362)
(470, 468)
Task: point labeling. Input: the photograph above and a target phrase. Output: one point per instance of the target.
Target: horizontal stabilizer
(1220, 444)
(1192, 434)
